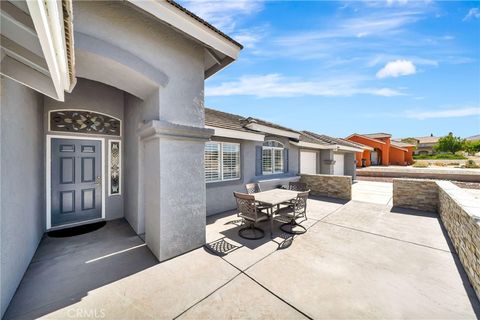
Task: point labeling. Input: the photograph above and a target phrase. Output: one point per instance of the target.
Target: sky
(409, 68)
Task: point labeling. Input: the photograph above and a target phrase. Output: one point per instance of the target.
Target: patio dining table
(275, 197)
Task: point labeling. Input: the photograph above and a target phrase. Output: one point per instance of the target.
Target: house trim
(303, 144)
(273, 131)
(235, 134)
(48, 177)
(180, 20)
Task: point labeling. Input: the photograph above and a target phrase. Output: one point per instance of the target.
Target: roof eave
(185, 22)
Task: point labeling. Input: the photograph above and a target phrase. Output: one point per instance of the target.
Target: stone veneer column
(174, 187)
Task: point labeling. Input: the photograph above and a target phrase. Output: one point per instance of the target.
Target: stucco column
(174, 187)
(327, 162)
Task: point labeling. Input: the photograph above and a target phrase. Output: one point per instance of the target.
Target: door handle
(98, 180)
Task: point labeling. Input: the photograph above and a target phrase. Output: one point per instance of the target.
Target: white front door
(374, 158)
(308, 162)
(339, 167)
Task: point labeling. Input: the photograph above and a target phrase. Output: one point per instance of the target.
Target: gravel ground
(465, 185)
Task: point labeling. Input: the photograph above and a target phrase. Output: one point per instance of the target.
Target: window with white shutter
(272, 157)
(222, 161)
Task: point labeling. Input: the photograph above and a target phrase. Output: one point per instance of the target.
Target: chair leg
(254, 230)
(288, 227)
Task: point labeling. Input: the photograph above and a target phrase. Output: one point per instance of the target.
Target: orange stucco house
(383, 151)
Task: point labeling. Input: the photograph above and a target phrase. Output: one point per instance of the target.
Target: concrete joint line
(387, 237)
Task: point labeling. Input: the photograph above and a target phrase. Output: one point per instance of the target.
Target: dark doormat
(75, 231)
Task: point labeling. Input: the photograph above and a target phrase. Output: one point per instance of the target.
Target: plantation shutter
(258, 160)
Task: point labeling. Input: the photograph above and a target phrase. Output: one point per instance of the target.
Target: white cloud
(473, 13)
(447, 113)
(223, 14)
(397, 68)
(276, 85)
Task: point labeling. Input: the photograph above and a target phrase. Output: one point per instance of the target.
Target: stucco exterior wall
(22, 211)
(180, 58)
(97, 97)
(397, 157)
(220, 194)
(132, 156)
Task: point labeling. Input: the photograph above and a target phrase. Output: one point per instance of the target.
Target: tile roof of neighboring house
(366, 137)
(269, 124)
(401, 144)
(427, 139)
(225, 120)
(377, 135)
(208, 25)
(331, 140)
(473, 138)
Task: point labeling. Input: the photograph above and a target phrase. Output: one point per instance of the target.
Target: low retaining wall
(460, 215)
(329, 185)
(419, 194)
(438, 174)
(459, 212)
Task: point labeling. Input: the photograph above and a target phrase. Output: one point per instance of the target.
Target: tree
(450, 143)
(472, 147)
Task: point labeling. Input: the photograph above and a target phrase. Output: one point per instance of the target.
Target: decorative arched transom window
(272, 157)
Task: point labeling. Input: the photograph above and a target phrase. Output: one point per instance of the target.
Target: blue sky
(409, 68)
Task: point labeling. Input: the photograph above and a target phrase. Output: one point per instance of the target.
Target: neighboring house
(426, 145)
(244, 150)
(102, 117)
(473, 138)
(383, 150)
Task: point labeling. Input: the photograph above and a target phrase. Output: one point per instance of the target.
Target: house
(385, 151)
(473, 138)
(102, 117)
(425, 145)
(246, 149)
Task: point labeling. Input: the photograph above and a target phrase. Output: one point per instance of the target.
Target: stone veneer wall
(419, 194)
(459, 212)
(328, 185)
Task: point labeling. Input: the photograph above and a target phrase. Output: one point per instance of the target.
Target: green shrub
(440, 156)
(471, 164)
(420, 164)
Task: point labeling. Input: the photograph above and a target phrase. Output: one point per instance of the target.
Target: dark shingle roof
(321, 138)
(269, 124)
(208, 25)
(224, 120)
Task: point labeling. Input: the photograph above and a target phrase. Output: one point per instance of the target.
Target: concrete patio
(357, 260)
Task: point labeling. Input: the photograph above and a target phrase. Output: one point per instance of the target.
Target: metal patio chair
(249, 211)
(297, 186)
(252, 188)
(297, 209)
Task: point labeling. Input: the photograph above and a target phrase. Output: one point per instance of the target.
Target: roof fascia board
(47, 21)
(274, 131)
(346, 148)
(181, 21)
(303, 144)
(235, 134)
(359, 135)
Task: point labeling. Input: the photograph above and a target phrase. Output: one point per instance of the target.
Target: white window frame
(220, 165)
(272, 151)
